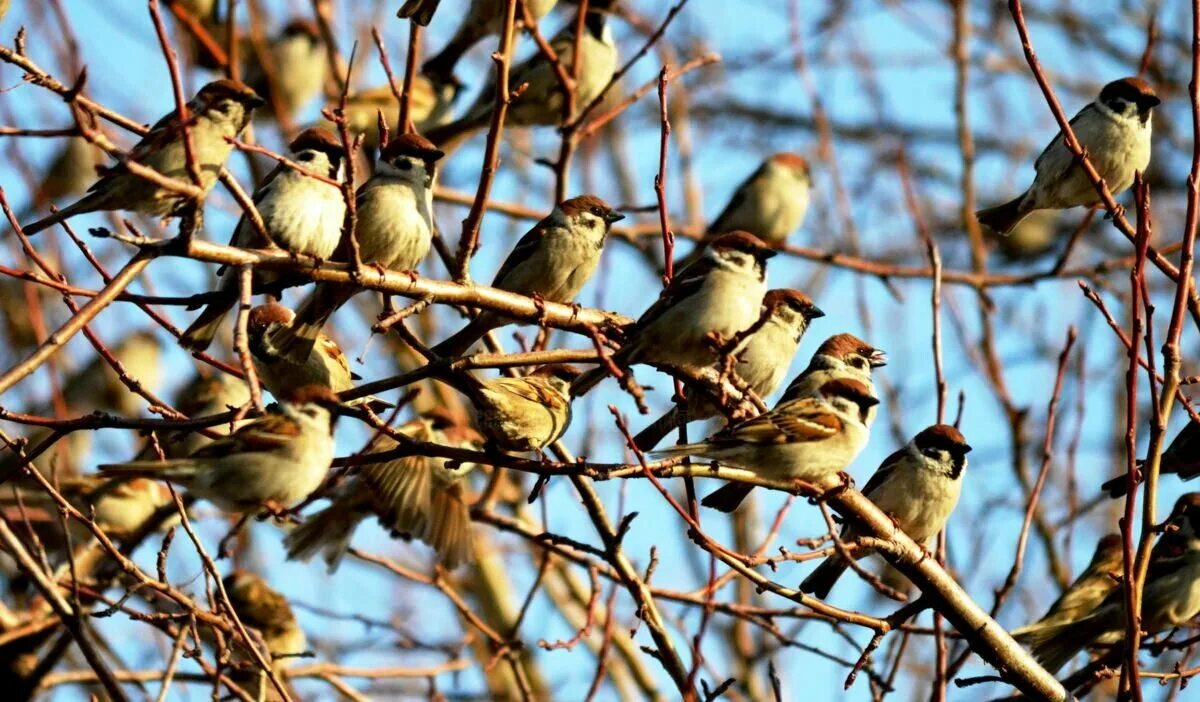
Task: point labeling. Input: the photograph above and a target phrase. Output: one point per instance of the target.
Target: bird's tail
(296, 341)
(419, 11)
(457, 344)
(200, 334)
(173, 471)
(1054, 645)
(327, 532)
(88, 203)
(1002, 219)
(821, 581)
(727, 497)
(649, 437)
(1118, 485)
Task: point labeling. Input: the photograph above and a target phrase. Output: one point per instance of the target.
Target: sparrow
(302, 215)
(542, 102)
(97, 387)
(325, 366)
(761, 364)
(419, 11)
(1115, 132)
(1181, 457)
(520, 414)
(119, 507)
(770, 204)
(1086, 593)
(551, 262)
(712, 300)
(266, 610)
(1170, 598)
(809, 439)
(394, 229)
(271, 462)
(839, 356)
(219, 111)
(483, 18)
(299, 63)
(428, 107)
(71, 172)
(917, 486)
(202, 396)
(414, 496)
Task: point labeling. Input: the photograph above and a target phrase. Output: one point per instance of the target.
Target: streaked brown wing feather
(266, 434)
(800, 421)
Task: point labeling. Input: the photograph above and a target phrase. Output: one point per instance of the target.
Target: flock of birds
(716, 315)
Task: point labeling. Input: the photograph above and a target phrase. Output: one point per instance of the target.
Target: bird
(483, 17)
(267, 611)
(917, 486)
(706, 303)
(97, 386)
(809, 439)
(326, 366)
(415, 496)
(218, 112)
(839, 356)
(301, 214)
(298, 67)
(271, 462)
(419, 11)
(394, 229)
(1181, 457)
(1114, 130)
(542, 103)
(429, 106)
(118, 507)
(526, 413)
(770, 203)
(762, 363)
(1170, 596)
(205, 394)
(550, 262)
(69, 174)
(1087, 591)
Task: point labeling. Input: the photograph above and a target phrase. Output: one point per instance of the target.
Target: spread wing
(805, 420)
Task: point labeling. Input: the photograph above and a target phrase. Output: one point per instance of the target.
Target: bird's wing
(884, 472)
(720, 224)
(525, 248)
(801, 421)
(686, 283)
(1058, 139)
(268, 433)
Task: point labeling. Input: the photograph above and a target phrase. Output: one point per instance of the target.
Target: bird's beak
(871, 401)
(815, 312)
(878, 359)
(1151, 101)
(966, 448)
(767, 253)
(255, 102)
(613, 216)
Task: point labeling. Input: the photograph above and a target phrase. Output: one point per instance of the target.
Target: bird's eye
(404, 164)
(306, 156)
(1118, 105)
(858, 361)
(597, 211)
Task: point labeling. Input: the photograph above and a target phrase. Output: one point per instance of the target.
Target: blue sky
(907, 46)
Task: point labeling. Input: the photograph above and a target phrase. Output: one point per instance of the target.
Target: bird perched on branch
(483, 17)
(1114, 130)
(219, 111)
(839, 356)
(429, 106)
(761, 364)
(267, 611)
(917, 486)
(301, 214)
(520, 414)
(1170, 596)
(393, 228)
(551, 262)
(706, 304)
(810, 439)
(298, 66)
(271, 462)
(413, 496)
(770, 204)
(1181, 457)
(542, 102)
(1087, 591)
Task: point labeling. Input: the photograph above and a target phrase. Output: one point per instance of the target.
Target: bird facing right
(710, 301)
(218, 112)
(917, 486)
(810, 439)
(1114, 130)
